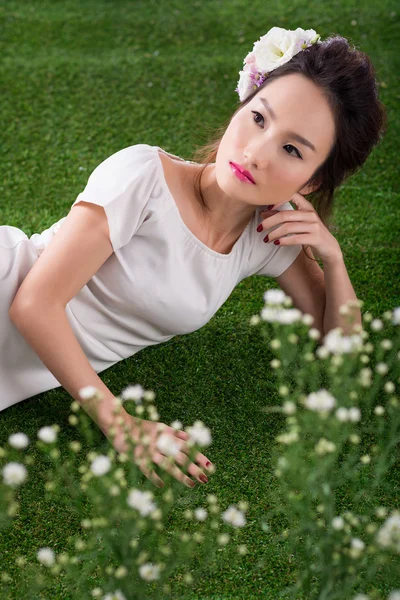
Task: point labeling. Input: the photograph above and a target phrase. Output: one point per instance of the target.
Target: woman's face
(279, 163)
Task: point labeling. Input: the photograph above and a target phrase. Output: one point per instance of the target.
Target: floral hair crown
(272, 50)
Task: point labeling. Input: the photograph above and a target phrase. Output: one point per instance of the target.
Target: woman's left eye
(286, 145)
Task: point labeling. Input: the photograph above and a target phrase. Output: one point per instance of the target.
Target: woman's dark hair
(346, 77)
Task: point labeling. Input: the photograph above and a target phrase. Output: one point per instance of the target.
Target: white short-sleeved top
(160, 281)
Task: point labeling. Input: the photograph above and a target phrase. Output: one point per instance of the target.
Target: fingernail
(259, 228)
(203, 478)
(270, 206)
(266, 238)
(276, 242)
(208, 464)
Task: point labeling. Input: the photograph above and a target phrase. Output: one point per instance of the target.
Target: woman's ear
(308, 189)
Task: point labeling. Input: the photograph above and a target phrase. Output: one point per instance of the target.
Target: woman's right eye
(257, 113)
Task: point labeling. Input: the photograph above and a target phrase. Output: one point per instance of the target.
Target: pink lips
(241, 174)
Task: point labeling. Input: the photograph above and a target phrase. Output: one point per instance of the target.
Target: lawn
(81, 80)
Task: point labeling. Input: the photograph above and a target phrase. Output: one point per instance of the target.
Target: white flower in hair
(272, 50)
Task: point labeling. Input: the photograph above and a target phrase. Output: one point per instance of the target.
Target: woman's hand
(306, 228)
(148, 453)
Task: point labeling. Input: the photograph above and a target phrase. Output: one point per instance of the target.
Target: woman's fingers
(201, 459)
(168, 464)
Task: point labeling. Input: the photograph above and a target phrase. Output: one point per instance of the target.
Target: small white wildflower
(342, 414)
(289, 316)
(176, 425)
(361, 597)
(386, 344)
(288, 438)
(388, 535)
(274, 296)
(234, 516)
(167, 446)
(394, 595)
(365, 459)
(338, 523)
(14, 474)
(200, 514)
(255, 320)
(314, 334)
(18, 440)
(223, 539)
(133, 392)
(117, 595)
(324, 446)
(336, 343)
(379, 410)
(199, 434)
(381, 368)
(100, 465)
(96, 592)
(396, 316)
(376, 325)
(149, 572)
(47, 435)
(381, 512)
(88, 392)
(389, 387)
(141, 501)
(354, 414)
(122, 571)
(308, 320)
(46, 556)
(289, 408)
(275, 363)
(321, 401)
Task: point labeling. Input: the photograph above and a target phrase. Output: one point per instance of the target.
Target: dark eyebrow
(295, 136)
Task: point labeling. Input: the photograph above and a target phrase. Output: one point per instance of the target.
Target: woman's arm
(338, 291)
(48, 332)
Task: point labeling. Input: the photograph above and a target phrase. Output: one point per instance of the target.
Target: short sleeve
(122, 184)
(275, 259)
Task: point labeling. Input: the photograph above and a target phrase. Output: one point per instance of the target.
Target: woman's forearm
(338, 291)
(48, 332)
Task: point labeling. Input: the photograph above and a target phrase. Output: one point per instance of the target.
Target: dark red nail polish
(266, 238)
(276, 242)
(270, 206)
(259, 228)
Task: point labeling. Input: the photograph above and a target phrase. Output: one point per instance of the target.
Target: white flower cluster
(14, 474)
(167, 445)
(48, 435)
(100, 465)
(18, 441)
(117, 595)
(142, 501)
(199, 434)
(279, 315)
(388, 535)
(337, 343)
(46, 556)
(324, 446)
(321, 401)
(352, 414)
(149, 571)
(234, 517)
(133, 392)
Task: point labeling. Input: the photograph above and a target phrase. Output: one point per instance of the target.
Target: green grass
(74, 90)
